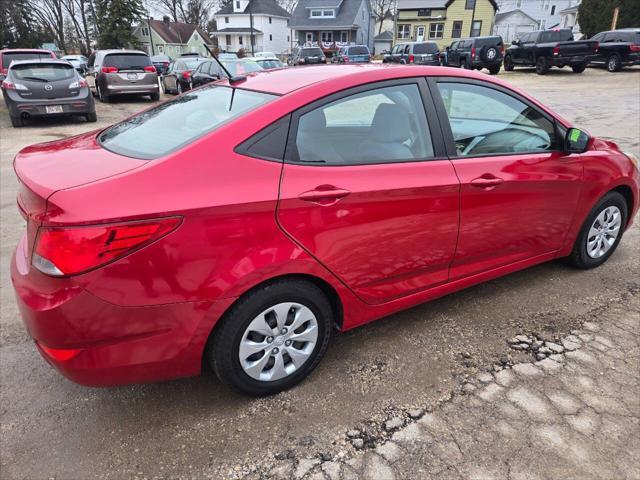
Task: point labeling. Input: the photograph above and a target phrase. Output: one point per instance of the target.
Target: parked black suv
(550, 48)
(617, 49)
(420, 53)
(476, 53)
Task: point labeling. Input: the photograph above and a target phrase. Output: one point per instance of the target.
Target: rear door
(368, 191)
(519, 190)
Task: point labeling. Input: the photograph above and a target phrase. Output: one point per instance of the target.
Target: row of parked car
(541, 49)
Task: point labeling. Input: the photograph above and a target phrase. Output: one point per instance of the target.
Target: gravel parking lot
(427, 359)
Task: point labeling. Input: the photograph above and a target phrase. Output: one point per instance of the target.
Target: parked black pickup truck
(550, 48)
(617, 49)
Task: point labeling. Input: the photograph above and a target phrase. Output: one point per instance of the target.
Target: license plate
(53, 109)
(132, 76)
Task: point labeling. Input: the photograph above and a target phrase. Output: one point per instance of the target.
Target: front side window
(485, 121)
(171, 125)
(476, 27)
(404, 31)
(436, 30)
(376, 126)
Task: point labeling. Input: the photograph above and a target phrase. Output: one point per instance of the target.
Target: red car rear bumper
(98, 343)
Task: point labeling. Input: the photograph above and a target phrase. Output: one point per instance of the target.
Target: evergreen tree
(18, 27)
(115, 20)
(596, 15)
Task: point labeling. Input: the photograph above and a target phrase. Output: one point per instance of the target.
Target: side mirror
(516, 43)
(576, 141)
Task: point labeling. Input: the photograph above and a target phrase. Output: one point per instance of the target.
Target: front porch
(329, 41)
(234, 39)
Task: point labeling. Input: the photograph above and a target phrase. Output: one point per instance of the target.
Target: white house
(270, 30)
(569, 19)
(544, 13)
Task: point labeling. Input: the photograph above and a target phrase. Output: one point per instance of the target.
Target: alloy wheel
(604, 231)
(278, 341)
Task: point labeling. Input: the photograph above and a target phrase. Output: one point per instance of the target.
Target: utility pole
(153, 51)
(251, 26)
(614, 21)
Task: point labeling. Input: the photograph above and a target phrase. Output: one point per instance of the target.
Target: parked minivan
(122, 72)
(419, 53)
(352, 54)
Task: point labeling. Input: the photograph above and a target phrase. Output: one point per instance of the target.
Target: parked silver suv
(122, 72)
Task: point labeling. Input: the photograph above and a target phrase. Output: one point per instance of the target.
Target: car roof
(26, 50)
(119, 50)
(38, 61)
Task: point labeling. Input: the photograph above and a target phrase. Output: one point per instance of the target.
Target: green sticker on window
(575, 135)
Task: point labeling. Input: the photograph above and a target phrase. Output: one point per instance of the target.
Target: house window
(553, 9)
(344, 36)
(270, 38)
(476, 27)
(436, 30)
(237, 5)
(228, 39)
(470, 4)
(404, 31)
(326, 36)
(322, 13)
(328, 13)
(240, 39)
(288, 38)
(518, 3)
(145, 32)
(226, 19)
(457, 29)
(309, 37)
(546, 4)
(424, 12)
(160, 48)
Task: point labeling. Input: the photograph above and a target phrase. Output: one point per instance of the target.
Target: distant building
(512, 25)
(516, 17)
(53, 47)
(382, 42)
(333, 23)
(569, 19)
(171, 38)
(270, 31)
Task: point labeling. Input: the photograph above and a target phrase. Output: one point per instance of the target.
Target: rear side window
(549, 36)
(8, 57)
(360, 50)
(123, 61)
(421, 48)
(383, 125)
(44, 72)
(171, 125)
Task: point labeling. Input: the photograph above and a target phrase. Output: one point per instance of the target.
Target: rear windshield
(241, 67)
(171, 125)
(8, 57)
(360, 50)
(125, 61)
(309, 52)
(492, 41)
(555, 36)
(420, 48)
(43, 72)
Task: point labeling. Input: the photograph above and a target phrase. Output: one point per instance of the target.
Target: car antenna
(232, 79)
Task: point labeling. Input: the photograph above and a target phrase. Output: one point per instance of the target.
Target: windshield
(171, 125)
(124, 61)
(361, 50)
(43, 72)
(270, 63)
(310, 52)
(193, 64)
(8, 57)
(422, 48)
(240, 67)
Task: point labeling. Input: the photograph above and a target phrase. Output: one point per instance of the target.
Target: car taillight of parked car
(502, 50)
(62, 251)
(13, 86)
(411, 59)
(109, 69)
(634, 48)
(150, 69)
(345, 58)
(556, 50)
(78, 84)
(301, 60)
(186, 74)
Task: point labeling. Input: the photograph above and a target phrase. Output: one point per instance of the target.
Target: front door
(367, 191)
(453, 57)
(420, 33)
(518, 189)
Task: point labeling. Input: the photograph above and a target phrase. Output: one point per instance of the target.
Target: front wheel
(463, 64)
(91, 117)
(272, 338)
(600, 233)
(508, 64)
(613, 63)
(155, 96)
(579, 67)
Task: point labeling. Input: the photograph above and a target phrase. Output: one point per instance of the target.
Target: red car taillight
(150, 68)
(109, 69)
(556, 50)
(473, 52)
(8, 85)
(411, 58)
(60, 355)
(345, 58)
(502, 50)
(186, 74)
(61, 251)
(634, 48)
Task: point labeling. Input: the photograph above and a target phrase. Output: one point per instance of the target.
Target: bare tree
(78, 11)
(382, 10)
(288, 5)
(51, 15)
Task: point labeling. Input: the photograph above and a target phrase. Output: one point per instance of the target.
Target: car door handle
(487, 181)
(324, 195)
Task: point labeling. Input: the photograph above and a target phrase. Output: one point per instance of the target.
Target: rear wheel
(494, 70)
(613, 63)
(91, 117)
(17, 122)
(508, 64)
(272, 338)
(600, 233)
(579, 67)
(103, 97)
(155, 96)
(463, 64)
(542, 65)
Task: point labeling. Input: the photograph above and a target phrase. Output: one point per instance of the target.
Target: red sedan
(241, 224)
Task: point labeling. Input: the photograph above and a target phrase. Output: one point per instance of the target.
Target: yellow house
(443, 21)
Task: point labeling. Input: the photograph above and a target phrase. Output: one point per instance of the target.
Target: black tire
(613, 63)
(494, 70)
(91, 117)
(223, 348)
(403, 61)
(579, 257)
(103, 97)
(155, 96)
(463, 64)
(542, 65)
(17, 122)
(579, 67)
(488, 54)
(179, 89)
(508, 64)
